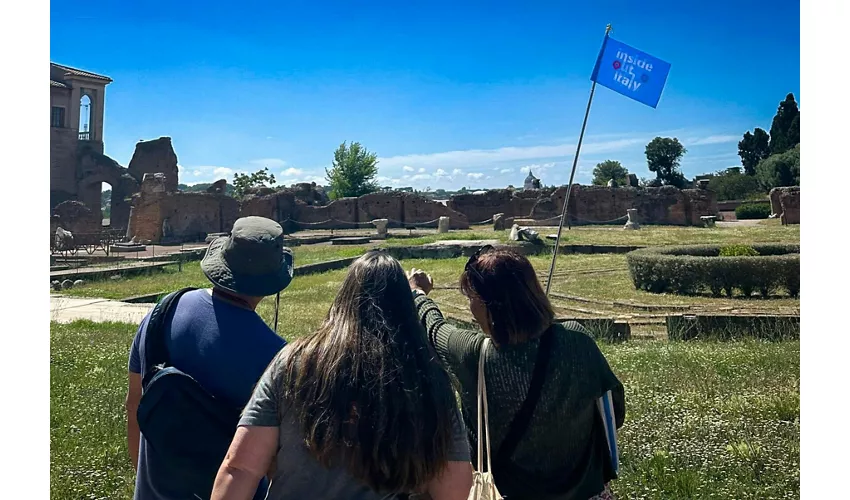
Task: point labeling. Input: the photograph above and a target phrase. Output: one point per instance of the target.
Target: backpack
(182, 422)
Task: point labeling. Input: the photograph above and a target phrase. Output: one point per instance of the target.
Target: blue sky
(447, 95)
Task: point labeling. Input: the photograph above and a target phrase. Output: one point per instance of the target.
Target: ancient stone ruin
(785, 203)
(592, 204)
(78, 179)
(147, 202)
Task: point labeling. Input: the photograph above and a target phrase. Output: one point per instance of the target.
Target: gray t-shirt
(297, 474)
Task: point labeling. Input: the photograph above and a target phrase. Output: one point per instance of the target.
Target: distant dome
(531, 182)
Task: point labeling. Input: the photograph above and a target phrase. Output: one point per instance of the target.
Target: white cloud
(297, 180)
(537, 167)
(475, 175)
(603, 145)
(271, 163)
(420, 177)
(407, 169)
(421, 170)
(179, 167)
(713, 139)
(457, 171)
(196, 173)
(488, 156)
(440, 173)
(291, 172)
(506, 171)
(220, 172)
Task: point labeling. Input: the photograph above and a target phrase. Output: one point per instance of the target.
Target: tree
(752, 149)
(787, 112)
(732, 185)
(780, 170)
(610, 169)
(353, 171)
(243, 182)
(663, 156)
(794, 131)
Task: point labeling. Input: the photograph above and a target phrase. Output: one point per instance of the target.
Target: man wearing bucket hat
(213, 336)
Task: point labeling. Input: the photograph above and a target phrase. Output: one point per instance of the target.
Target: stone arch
(93, 169)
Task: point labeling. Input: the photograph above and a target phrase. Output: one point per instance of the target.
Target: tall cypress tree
(782, 124)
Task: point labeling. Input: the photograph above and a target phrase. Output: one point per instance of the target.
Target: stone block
(633, 220)
(443, 224)
(381, 226)
(499, 222)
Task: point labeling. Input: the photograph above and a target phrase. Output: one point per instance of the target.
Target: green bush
(738, 251)
(753, 210)
(692, 269)
(733, 185)
(780, 170)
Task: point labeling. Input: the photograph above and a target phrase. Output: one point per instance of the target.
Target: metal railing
(85, 136)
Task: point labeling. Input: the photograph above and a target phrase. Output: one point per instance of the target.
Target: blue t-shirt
(224, 347)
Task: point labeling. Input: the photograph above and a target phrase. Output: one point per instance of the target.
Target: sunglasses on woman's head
(470, 264)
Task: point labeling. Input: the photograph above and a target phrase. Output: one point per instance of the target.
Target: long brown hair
(366, 389)
(506, 282)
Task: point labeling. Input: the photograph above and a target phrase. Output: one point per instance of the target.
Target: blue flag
(630, 72)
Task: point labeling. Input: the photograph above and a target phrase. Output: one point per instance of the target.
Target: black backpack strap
(156, 350)
(522, 419)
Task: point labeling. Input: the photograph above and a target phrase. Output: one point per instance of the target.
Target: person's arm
(131, 404)
(606, 377)
(247, 461)
(456, 480)
(252, 451)
(618, 394)
(453, 345)
(134, 395)
(453, 484)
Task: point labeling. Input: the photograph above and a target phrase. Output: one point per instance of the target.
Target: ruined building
(78, 165)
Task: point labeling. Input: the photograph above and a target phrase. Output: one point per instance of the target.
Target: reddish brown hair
(506, 283)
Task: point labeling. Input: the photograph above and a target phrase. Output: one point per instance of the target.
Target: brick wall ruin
(592, 204)
(76, 217)
(785, 202)
(190, 216)
(156, 156)
(176, 217)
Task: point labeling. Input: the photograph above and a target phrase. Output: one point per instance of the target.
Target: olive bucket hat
(252, 260)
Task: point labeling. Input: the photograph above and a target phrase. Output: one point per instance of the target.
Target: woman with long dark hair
(543, 380)
(360, 409)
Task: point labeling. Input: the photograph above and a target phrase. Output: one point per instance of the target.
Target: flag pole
(573, 172)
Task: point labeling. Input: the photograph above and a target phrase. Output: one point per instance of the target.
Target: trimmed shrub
(692, 269)
(738, 251)
(753, 210)
(716, 327)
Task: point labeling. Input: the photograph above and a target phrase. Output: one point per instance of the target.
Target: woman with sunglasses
(543, 380)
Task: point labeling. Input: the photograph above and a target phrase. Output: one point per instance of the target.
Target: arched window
(85, 118)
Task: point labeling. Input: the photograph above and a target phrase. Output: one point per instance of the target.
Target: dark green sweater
(562, 440)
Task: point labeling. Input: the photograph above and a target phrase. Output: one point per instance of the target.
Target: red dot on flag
(616, 64)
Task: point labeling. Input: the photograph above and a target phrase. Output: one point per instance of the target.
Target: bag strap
(483, 430)
(522, 419)
(156, 350)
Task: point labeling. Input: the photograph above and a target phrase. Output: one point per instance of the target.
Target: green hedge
(693, 269)
(753, 210)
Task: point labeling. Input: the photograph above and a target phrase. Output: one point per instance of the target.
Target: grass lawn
(704, 420)
(764, 232)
